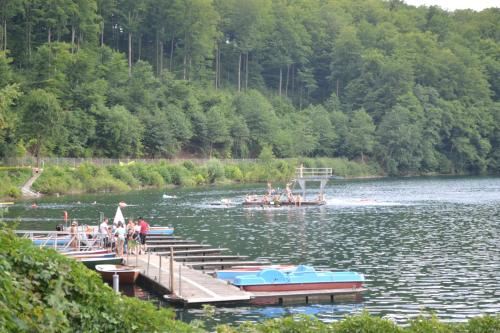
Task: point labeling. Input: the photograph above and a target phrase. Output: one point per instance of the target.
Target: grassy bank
(43, 291)
(118, 178)
(11, 180)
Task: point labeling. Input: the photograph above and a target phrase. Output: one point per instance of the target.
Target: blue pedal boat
(302, 278)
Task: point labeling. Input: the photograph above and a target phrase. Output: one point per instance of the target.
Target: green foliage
(224, 79)
(12, 179)
(363, 323)
(43, 291)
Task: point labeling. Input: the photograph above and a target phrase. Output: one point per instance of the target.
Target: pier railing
(60, 240)
(313, 172)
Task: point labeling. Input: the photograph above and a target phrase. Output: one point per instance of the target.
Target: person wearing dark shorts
(142, 234)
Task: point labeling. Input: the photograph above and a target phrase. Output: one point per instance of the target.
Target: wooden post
(147, 267)
(172, 270)
(180, 266)
(159, 271)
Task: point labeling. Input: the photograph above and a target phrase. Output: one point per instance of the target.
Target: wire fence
(65, 161)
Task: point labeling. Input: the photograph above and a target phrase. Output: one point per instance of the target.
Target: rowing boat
(127, 274)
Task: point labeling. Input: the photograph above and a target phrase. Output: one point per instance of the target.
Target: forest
(413, 89)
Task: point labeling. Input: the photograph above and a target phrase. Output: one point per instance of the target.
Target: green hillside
(412, 89)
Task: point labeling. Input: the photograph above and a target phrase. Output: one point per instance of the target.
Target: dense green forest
(413, 89)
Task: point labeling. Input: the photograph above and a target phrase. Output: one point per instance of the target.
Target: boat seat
(304, 268)
(273, 276)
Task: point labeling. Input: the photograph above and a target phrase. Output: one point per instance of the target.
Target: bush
(215, 171)
(43, 291)
(14, 192)
(124, 174)
(233, 172)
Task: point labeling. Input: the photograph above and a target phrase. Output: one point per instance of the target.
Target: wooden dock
(190, 286)
(184, 281)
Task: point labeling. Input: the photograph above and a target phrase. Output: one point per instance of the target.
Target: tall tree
(41, 119)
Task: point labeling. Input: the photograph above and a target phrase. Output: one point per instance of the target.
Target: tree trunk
(102, 32)
(220, 66)
(239, 73)
(216, 64)
(337, 87)
(5, 34)
(140, 48)
(287, 76)
(157, 43)
(49, 35)
(171, 53)
(161, 57)
(246, 72)
(184, 67)
(72, 38)
(293, 78)
(281, 81)
(129, 54)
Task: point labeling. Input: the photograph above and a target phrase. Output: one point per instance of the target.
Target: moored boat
(235, 271)
(127, 274)
(161, 231)
(93, 262)
(44, 241)
(302, 278)
(96, 256)
(84, 253)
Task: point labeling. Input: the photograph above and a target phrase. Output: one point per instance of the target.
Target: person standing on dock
(144, 231)
(120, 240)
(74, 235)
(103, 230)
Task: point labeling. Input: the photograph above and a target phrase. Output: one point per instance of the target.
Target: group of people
(273, 196)
(120, 236)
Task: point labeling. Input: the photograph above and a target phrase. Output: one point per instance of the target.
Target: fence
(31, 161)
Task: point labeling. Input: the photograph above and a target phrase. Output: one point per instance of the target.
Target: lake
(429, 244)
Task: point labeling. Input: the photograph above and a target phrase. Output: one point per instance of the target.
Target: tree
(244, 26)
(400, 141)
(118, 133)
(42, 115)
(360, 138)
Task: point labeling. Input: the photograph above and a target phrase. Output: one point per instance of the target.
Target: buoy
(65, 216)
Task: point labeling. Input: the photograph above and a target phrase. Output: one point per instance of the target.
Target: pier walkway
(186, 285)
(186, 280)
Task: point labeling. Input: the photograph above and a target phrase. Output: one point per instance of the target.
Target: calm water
(426, 244)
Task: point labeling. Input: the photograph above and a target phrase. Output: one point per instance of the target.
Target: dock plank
(209, 258)
(187, 252)
(195, 287)
(170, 241)
(179, 246)
(225, 263)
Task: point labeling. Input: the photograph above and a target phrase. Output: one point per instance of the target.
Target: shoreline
(94, 179)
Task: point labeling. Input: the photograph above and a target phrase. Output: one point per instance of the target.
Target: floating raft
(284, 203)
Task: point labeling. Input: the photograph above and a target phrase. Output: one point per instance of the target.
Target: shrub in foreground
(43, 291)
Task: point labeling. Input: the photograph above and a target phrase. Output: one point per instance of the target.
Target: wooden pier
(186, 281)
